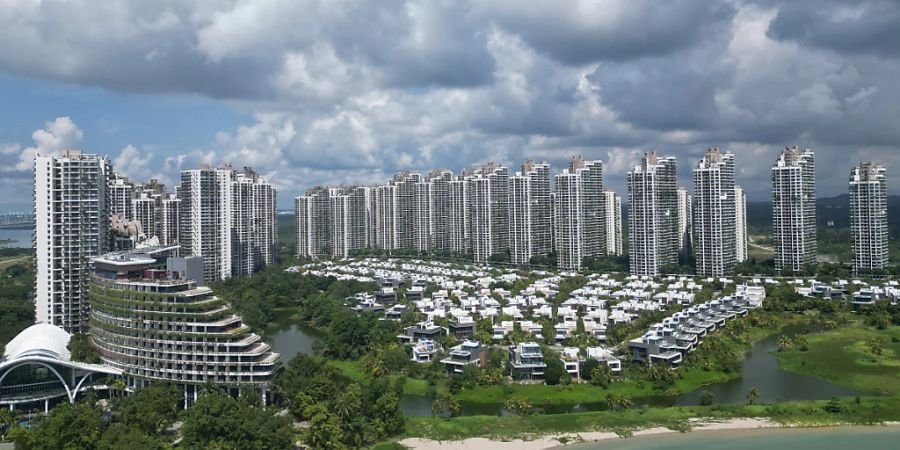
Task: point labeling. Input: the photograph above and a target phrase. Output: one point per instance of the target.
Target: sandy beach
(553, 441)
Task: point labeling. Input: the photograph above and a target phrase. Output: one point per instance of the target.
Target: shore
(556, 441)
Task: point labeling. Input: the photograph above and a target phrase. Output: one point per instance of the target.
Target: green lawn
(869, 410)
(844, 356)
(354, 372)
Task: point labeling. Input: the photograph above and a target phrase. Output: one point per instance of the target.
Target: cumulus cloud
(56, 136)
(133, 163)
(350, 91)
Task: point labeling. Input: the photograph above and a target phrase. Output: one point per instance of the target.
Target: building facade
(569, 223)
(153, 322)
(529, 212)
(714, 214)
(72, 212)
(593, 212)
(794, 209)
(685, 222)
(741, 228)
(613, 223)
(313, 225)
(653, 215)
(487, 197)
(868, 217)
(121, 193)
(440, 210)
(206, 219)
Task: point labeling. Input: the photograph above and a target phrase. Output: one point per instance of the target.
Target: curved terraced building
(153, 321)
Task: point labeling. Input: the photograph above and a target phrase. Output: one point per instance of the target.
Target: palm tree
(784, 342)
(624, 402)
(439, 405)
(454, 407)
(119, 386)
(752, 396)
(610, 402)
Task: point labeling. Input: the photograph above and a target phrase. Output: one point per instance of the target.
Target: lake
(22, 238)
(760, 369)
(840, 438)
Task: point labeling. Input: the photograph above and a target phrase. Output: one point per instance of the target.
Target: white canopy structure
(37, 366)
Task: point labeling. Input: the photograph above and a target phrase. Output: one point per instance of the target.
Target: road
(9, 262)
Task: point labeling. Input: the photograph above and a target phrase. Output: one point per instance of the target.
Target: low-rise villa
(467, 353)
(526, 361)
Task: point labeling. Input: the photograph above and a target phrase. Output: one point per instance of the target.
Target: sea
(835, 438)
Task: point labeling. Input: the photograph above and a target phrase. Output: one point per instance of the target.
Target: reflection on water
(20, 238)
(869, 438)
(760, 369)
(291, 340)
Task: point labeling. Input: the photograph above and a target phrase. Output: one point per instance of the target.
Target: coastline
(552, 442)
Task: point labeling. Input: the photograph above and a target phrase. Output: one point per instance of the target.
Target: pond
(760, 369)
(291, 340)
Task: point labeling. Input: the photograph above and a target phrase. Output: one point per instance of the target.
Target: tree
(624, 402)
(588, 368)
(324, 432)
(876, 347)
(518, 407)
(444, 406)
(833, 406)
(752, 396)
(120, 436)
(601, 376)
(82, 350)
(118, 386)
(706, 398)
(151, 408)
(784, 343)
(555, 369)
(349, 403)
(70, 427)
(218, 418)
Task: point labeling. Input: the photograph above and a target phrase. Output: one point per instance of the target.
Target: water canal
(760, 369)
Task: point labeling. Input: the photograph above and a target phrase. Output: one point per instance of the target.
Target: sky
(344, 91)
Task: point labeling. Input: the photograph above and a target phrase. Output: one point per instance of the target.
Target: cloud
(130, 163)
(862, 27)
(56, 136)
(351, 91)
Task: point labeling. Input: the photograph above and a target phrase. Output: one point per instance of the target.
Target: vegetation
(864, 411)
(341, 413)
(142, 421)
(16, 308)
(859, 357)
(220, 421)
(82, 350)
(83, 426)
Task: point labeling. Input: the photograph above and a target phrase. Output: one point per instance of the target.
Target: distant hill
(835, 210)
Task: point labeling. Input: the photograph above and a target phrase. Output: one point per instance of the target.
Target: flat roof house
(425, 350)
(526, 361)
(421, 331)
(462, 327)
(469, 352)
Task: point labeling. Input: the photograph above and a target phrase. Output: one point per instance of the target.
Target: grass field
(868, 410)
(354, 372)
(845, 357)
(7, 261)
